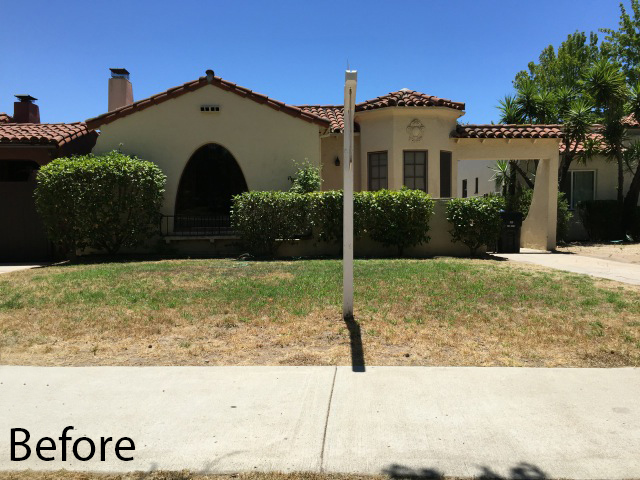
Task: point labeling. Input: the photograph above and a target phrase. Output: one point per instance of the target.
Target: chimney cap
(119, 72)
(25, 98)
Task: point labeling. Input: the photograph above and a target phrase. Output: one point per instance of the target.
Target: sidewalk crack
(326, 421)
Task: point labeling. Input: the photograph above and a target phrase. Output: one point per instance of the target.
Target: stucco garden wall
(263, 141)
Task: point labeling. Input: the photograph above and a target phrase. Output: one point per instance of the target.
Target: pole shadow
(355, 341)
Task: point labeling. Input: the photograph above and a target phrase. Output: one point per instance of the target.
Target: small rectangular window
(445, 174)
(415, 170)
(583, 187)
(476, 192)
(377, 170)
(464, 188)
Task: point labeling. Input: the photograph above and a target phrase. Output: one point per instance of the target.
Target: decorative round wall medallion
(415, 130)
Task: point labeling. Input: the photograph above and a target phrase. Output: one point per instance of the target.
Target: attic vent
(209, 108)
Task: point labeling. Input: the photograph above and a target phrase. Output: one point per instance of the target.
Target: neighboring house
(214, 139)
(26, 145)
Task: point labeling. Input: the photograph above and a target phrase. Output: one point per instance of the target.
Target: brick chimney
(25, 111)
(120, 89)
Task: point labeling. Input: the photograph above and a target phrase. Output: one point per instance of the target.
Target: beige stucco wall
(263, 141)
(606, 176)
(386, 130)
(332, 147)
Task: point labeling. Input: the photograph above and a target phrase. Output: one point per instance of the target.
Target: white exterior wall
(470, 170)
(263, 141)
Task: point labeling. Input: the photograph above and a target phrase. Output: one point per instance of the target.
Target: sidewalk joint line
(326, 420)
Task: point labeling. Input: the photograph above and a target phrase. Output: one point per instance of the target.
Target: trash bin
(509, 239)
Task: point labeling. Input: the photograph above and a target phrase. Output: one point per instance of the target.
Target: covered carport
(521, 142)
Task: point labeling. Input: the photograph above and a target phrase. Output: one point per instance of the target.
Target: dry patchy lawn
(622, 252)
(520, 472)
(227, 312)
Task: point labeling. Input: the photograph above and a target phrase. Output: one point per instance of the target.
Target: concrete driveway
(14, 267)
(596, 267)
(411, 421)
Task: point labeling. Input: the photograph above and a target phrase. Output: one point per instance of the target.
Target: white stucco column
(539, 228)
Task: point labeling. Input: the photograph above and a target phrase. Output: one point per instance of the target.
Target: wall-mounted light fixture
(337, 161)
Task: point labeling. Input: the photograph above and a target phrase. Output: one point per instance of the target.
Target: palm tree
(578, 120)
(606, 84)
(510, 111)
(527, 99)
(632, 161)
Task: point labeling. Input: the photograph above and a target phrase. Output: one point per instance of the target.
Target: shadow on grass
(355, 341)
(520, 471)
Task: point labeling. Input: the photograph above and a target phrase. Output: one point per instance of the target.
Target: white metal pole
(351, 80)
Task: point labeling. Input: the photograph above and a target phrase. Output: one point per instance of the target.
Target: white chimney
(120, 89)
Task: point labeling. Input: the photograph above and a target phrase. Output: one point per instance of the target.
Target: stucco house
(213, 139)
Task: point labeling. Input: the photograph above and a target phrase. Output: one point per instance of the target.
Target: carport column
(539, 228)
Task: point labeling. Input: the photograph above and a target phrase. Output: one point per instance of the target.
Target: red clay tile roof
(195, 85)
(507, 131)
(407, 98)
(4, 118)
(56, 134)
(334, 113)
(580, 149)
(630, 121)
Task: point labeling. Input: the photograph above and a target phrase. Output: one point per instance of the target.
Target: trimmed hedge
(476, 221)
(394, 218)
(263, 219)
(398, 218)
(106, 202)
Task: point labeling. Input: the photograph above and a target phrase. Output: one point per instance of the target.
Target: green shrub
(105, 202)
(264, 219)
(523, 202)
(602, 219)
(326, 214)
(397, 218)
(307, 178)
(476, 221)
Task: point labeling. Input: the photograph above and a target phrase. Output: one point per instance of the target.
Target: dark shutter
(445, 174)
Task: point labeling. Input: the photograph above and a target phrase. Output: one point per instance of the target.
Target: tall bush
(264, 219)
(306, 179)
(106, 202)
(475, 221)
(398, 218)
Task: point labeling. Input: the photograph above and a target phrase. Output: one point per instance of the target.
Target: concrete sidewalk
(596, 267)
(570, 423)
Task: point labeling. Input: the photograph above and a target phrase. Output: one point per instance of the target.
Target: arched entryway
(209, 181)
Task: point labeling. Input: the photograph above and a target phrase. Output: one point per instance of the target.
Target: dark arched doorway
(209, 181)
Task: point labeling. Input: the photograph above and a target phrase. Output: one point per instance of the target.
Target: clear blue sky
(293, 51)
